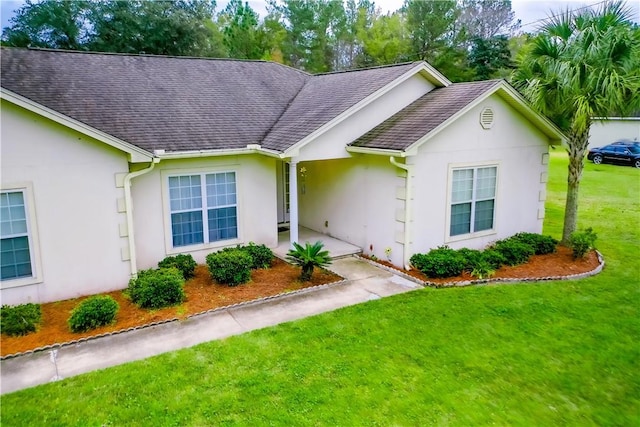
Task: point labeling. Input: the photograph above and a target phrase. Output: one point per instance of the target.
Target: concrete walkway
(365, 282)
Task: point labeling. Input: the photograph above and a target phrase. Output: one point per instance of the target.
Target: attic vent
(486, 118)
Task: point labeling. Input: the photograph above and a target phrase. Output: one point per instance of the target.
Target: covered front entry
(287, 218)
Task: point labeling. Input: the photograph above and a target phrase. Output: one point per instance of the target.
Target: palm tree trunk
(578, 142)
(307, 272)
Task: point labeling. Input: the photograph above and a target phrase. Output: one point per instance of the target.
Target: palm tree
(582, 66)
(308, 257)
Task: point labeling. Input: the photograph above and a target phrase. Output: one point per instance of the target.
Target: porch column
(293, 201)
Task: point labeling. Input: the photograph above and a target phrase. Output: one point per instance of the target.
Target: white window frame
(474, 234)
(26, 188)
(169, 248)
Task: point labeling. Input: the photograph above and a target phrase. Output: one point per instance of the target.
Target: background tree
(311, 27)
(175, 27)
(274, 35)
(487, 18)
(386, 41)
(349, 47)
(429, 24)
(488, 57)
(484, 27)
(242, 35)
(56, 24)
(434, 36)
(582, 65)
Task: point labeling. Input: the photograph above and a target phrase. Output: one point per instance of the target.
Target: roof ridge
(150, 55)
(494, 81)
(367, 68)
(142, 55)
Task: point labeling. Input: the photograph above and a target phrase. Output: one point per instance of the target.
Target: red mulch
(202, 295)
(560, 263)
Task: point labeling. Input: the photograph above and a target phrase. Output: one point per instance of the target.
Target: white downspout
(408, 206)
(128, 204)
(293, 201)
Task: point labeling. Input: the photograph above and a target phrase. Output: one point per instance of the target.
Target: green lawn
(555, 353)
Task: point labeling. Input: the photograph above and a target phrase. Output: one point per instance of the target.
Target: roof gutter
(128, 204)
(250, 149)
(378, 151)
(408, 207)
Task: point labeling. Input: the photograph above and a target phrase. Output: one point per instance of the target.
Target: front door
(283, 192)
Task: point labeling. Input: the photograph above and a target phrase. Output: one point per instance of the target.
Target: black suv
(626, 153)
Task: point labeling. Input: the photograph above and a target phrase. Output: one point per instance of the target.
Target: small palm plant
(308, 257)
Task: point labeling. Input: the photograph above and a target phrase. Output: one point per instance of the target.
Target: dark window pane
(223, 224)
(460, 219)
(187, 228)
(15, 258)
(484, 215)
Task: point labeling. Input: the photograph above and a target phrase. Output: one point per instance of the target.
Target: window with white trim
(203, 208)
(16, 260)
(473, 196)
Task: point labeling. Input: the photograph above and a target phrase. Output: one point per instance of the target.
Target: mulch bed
(560, 263)
(202, 294)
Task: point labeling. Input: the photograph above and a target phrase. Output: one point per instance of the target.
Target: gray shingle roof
(175, 104)
(326, 96)
(183, 104)
(423, 115)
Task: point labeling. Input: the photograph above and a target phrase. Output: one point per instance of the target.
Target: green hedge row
(446, 262)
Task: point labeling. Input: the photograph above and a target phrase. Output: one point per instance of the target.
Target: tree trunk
(578, 142)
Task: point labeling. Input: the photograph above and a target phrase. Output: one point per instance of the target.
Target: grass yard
(554, 353)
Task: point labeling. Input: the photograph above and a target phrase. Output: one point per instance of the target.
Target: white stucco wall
(74, 191)
(520, 153)
(608, 131)
(357, 200)
(257, 211)
(332, 144)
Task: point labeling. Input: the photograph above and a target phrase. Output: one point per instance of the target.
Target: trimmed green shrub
(308, 257)
(183, 262)
(514, 252)
(440, 262)
(418, 261)
(17, 320)
(472, 257)
(582, 241)
(231, 266)
(157, 288)
(541, 244)
(93, 312)
(494, 258)
(260, 254)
